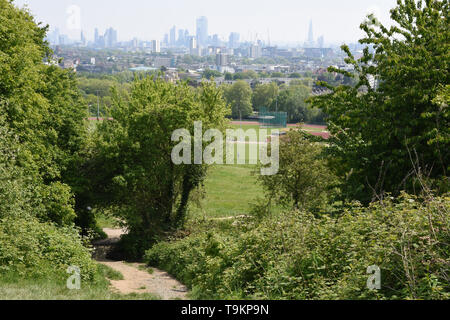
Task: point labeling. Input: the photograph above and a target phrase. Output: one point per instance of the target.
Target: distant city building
(186, 38)
(233, 41)
(320, 42)
(63, 40)
(310, 42)
(83, 39)
(221, 59)
(202, 31)
(110, 38)
(194, 49)
(318, 52)
(216, 41)
(255, 52)
(156, 46)
(101, 42)
(135, 43)
(173, 35)
(162, 62)
(53, 37)
(96, 36)
(166, 40)
(181, 40)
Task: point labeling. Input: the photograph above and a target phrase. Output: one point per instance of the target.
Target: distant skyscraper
(156, 46)
(110, 38)
(193, 47)
(221, 59)
(53, 37)
(173, 36)
(215, 40)
(255, 51)
(166, 40)
(83, 39)
(96, 36)
(310, 35)
(233, 42)
(320, 42)
(202, 31)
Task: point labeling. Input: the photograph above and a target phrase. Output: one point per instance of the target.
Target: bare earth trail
(159, 283)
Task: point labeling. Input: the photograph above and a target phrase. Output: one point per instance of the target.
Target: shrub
(303, 181)
(29, 244)
(296, 255)
(34, 249)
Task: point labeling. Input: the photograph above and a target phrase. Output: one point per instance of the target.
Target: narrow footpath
(136, 279)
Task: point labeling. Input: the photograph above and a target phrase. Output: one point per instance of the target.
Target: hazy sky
(284, 20)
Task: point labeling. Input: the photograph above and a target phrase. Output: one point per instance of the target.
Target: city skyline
(281, 22)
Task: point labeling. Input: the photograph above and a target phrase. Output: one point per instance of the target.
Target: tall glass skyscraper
(202, 31)
(310, 35)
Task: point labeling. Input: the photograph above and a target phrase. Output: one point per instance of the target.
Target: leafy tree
(295, 75)
(131, 167)
(209, 74)
(228, 76)
(42, 107)
(392, 127)
(292, 101)
(303, 180)
(250, 74)
(277, 75)
(264, 95)
(239, 96)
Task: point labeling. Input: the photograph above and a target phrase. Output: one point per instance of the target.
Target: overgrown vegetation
(376, 193)
(295, 255)
(131, 167)
(391, 124)
(346, 205)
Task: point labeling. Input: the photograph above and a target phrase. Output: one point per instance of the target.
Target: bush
(34, 249)
(296, 255)
(303, 181)
(29, 244)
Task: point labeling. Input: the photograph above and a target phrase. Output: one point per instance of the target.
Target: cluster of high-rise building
(108, 40)
(201, 39)
(200, 44)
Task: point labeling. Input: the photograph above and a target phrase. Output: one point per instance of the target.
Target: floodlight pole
(276, 104)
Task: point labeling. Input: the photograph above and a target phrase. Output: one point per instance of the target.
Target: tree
(228, 76)
(239, 96)
(131, 167)
(264, 95)
(303, 180)
(390, 127)
(42, 107)
(209, 74)
(277, 75)
(295, 75)
(292, 100)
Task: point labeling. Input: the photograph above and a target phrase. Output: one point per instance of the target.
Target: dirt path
(135, 280)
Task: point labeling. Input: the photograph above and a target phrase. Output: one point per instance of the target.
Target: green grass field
(229, 191)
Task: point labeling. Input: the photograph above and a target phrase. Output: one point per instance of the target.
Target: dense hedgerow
(296, 255)
(33, 249)
(29, 245)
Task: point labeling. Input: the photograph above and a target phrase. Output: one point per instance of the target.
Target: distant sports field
(231, 190)
(316, 130)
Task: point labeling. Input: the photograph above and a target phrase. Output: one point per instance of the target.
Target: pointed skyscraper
(310, 35)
